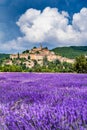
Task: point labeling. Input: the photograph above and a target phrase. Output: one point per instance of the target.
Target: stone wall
(24, 56)
(13, 56)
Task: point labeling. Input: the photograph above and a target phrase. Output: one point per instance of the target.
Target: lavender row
(31, 101)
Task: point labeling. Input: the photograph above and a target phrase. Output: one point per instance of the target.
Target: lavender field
(35, 101)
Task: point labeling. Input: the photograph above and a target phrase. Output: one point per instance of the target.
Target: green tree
(28, 57)
(56, 62)
(34, 47)
(18, 55)
(35, 62)
(80, 65)
(45, 61)
(37, 52)
(36, 68)
(26, 51)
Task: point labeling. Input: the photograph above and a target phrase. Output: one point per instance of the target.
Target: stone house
(42, 52)
(24, 56)
(29, 64)
(8, 62)
(13, 56)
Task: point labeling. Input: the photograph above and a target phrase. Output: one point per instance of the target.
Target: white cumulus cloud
(43, 26)
(51, 26)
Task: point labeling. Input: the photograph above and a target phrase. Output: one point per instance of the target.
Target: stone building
(29, 64)
(38, 54)
(13, 56)
(8, 62)
(26, 56)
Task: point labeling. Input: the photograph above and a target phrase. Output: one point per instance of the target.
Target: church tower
(41, 46)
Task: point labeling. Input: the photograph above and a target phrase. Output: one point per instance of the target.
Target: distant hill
(4, 55)
(70, 52)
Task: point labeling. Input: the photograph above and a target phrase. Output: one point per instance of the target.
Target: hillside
(70, 52)
(4, 56)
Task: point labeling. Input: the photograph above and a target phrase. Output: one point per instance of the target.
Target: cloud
(43, 26)
(79, 24)
(12, 46)
(52, 27)
(80, 20)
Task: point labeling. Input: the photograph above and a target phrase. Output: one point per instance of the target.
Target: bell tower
(41, 46)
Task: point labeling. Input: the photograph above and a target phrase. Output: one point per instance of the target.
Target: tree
(56, 61)
(35, 62)
(36, 68)
(18, 55)
(80, 65)
(34, 47)
(28, 57)
(45, 60)
(27, 51)
(37, 52)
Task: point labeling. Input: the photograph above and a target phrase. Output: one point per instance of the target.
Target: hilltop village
(35, 55)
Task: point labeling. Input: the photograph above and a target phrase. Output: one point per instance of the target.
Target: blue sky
(14, 37)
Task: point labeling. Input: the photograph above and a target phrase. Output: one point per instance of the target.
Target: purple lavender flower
(43, 101)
